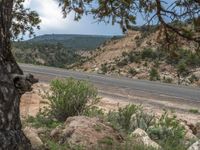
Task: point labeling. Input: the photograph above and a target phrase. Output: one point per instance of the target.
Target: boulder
(197, 74)
(35, 140)
(195, 146)
(141, 137)
(190, 136)
(85, 131)
(191, 131)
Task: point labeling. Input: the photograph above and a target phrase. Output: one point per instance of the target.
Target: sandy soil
(32, 102)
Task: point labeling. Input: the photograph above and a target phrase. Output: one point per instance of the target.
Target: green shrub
(54, 145)
(132, 71)
(126, 145)
(193, 78)
(193, 59)
(125, 116)
(122, 63)
(69, 97)
(142, 120)
(106, 141)
(194, 111)
(145, 64)
(94, 112)
(182, 68)
(131, 57)
(168, 132)
(121, 119)
(104, 68)
(42, 121)
(129, 118)
(154, 75)
(156, 63)
(148, 53)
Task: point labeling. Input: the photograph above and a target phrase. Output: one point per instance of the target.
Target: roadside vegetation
(152, 63)
(70, 97)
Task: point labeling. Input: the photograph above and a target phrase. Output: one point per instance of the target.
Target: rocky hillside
(139, 55)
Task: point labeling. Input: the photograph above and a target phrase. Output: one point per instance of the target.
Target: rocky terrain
(140, 55)
(93, 132)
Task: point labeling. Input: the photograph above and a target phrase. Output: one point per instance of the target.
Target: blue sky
(54, 23)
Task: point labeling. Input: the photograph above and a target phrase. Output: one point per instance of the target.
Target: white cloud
(53, 21)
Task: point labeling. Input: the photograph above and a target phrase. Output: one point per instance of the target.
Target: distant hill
(72, 41)
(44, 54)
(58, 50)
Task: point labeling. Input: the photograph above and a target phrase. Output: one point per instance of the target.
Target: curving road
(125, 85)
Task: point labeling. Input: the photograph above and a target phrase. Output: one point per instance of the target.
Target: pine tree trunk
(12, 85)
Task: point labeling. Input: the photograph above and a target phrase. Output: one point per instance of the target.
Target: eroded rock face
(195, 146)
(85, 131)
(141, 137)
(32, 135)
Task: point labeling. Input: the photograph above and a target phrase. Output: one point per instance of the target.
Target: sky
(54, 23)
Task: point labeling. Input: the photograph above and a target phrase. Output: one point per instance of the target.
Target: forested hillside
(72, 41)
(55, 55)
(56, 50)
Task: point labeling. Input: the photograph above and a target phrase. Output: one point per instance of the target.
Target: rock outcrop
(85, 131)
(195, 146)
(34, 138)
(141, 137)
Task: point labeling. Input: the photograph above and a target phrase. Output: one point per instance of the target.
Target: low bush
(154, 75)
(132, 71)
(194, 111)
(42, 121)
(193, 59)
(126, 145)
(69, 97)
(122, 63)
(168, 132)
(129, 118)
(131, 57)
(104, 68)
(121, 119)
(94, 111)
(193, 78)
(182, 68)
(148, 53)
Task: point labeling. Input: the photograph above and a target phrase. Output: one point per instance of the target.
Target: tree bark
(12, 85)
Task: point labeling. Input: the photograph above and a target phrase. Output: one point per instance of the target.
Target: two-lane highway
(170, 90)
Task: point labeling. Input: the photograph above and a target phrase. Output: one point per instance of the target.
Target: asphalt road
(107, 82)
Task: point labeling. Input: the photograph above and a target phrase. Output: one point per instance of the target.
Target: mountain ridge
(73, 41)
